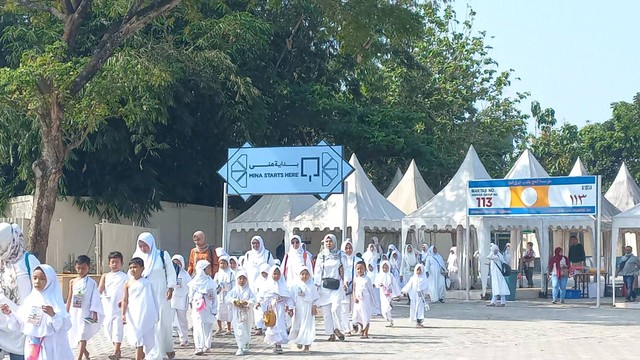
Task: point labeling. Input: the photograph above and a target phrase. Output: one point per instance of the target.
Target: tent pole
(345, 203)
(225, 214)
(467, 271)
(599, 240)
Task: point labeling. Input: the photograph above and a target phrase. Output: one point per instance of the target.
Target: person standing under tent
(453, 269)
(409, 262)
(16, 267)
(201, 251)
(498, 283)
(529, 263)
(158, 269)
(507, 254)
(294, 260)
(576, 252)
(628, 268)
(255, 257)
(327, 276)
(559, 273)
(436, 271)
(349, 274)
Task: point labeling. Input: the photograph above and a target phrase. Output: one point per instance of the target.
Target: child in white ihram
(225, 278)
(203, 300)
(180, 301)
(260, 283)
(43, 318)
(362, 301)
(417, 289)
(275, 296)
(111, 289)
(84, 307)
(139, 310)
(388, 288)
(303, 327)
(242, 300)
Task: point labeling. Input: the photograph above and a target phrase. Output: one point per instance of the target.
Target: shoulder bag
(329, 283)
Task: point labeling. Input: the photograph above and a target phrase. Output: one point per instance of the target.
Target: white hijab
(384, 278)
(308, 287)
(224, 275)
(371, 255)
(50, 295)
(260, 250)
(201, 282)
(420, 280)
(150, 258)
(276, 288)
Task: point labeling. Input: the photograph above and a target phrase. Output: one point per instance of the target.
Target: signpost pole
(225, 210)
(467, 262)
(345, 203)
(598, 239)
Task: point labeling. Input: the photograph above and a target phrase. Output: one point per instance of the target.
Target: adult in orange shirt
(202, 251)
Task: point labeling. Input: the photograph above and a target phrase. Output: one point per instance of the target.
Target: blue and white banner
(574, 195)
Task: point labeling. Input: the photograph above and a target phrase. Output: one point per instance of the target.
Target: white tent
(447, 210)
(367, 210)
(268, 217)
(412, 191)
(394, 182)
(624, 192)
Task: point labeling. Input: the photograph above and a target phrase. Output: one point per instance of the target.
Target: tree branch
(117, 34)
(74, 20)
(68, 7)
(41, 7)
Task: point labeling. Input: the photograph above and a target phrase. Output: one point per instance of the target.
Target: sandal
(364, 337)
(339, 334)
(332, 338)
(171, 355)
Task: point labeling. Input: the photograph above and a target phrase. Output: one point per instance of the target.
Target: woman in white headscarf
(409, 262)
(437, 269)
(390, 249)
(294, 260)
(330, 286)
(255, 257)
(158, 269)
(452, 268)
(349, 275)
(16, 265)
(498, 283)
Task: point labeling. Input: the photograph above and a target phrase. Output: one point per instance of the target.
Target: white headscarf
(296, 252)
(150, 258)
(179, 258)
(384, 278)
(201, 282)
(437, 257)
(452, 259)
(273, 287)
(390, 249)
(420, 280)
(51, 295)
(235, 259)
(395, 262)
(242, 291)
(224, 275)
(261, 250)
(308, 287)
(336, 247)
(371, 255)
(221, 252)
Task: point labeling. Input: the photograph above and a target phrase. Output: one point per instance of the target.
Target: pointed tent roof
(608, 209)
(624, 192)
(578, 169)
(629, 219)
(394, 182)
(272, 212)
(527, 166)
(447, 209)
(367, 208)
(412, 192)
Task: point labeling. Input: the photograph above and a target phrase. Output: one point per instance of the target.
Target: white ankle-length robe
(85, 289)
(142, 315)
(242, 317)
(111, 299)
(363, 300)
(303, 327)
(416, 287)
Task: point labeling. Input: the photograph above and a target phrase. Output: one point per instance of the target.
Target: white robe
(276, 334)
(55, 345)
(303, 327)
(437, 287)
(498, 283)
(409, 262)
(242, 318)
(292, 263)
(225, 280)
(259, 285)
(86, 291)
(142, 315)
(363, 292)
(252, 262)
(111, 299)
(388, 289)
(416, 288)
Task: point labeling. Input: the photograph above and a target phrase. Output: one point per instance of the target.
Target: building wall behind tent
(73, 232)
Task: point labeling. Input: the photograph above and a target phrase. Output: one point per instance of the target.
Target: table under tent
(369, 214)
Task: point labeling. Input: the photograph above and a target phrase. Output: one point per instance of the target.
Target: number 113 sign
(575, 195)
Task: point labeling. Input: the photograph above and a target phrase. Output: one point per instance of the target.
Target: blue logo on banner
(318, 170)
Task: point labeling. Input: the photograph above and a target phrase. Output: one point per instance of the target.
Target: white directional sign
(318, 170)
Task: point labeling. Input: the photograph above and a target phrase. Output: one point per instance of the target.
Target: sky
(576, 57)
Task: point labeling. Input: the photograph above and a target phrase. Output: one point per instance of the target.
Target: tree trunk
(47, 170)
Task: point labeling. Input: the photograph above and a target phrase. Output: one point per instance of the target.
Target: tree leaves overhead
(391, 80)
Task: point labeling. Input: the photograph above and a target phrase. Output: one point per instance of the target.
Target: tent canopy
(608, 210)
(366, 209)
(394, 182)
(412, 191)
(272, 212)
(624, 192)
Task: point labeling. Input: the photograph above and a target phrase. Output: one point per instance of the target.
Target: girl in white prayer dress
(225, 278)
(242, 300)
(388, 288)
(276, 296)
(180, 299)
(203, 299)
(304, 293)
(43, 318)
(417, 288)
(362, 301)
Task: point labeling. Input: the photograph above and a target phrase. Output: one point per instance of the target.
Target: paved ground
(467, 330)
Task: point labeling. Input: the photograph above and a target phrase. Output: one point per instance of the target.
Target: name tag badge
(179, 283)
(76, 301)
(35, 316)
